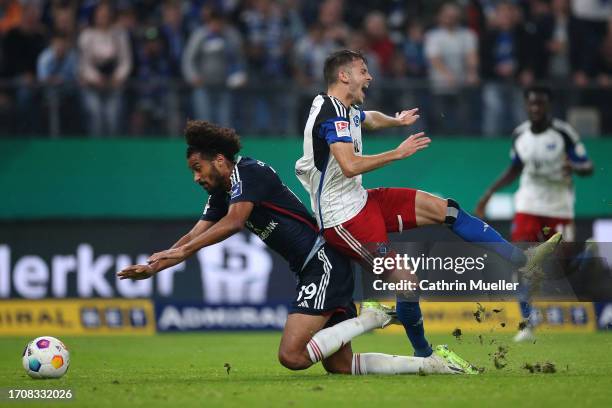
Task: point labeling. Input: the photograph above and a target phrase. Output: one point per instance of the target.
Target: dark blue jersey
(279, 218)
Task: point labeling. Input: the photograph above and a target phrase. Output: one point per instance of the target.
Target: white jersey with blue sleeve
(334, 198)
(544, 188)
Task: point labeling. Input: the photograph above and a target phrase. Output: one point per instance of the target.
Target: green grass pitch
(187, 370)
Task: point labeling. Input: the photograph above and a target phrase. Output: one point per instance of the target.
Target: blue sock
(525, 310)
(409, 313)
(523, 298)
(475, 230)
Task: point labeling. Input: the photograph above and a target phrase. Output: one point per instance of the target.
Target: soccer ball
(46, 357)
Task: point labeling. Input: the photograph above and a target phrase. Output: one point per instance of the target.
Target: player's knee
(292, 360)
(430, 209)
(452, 211)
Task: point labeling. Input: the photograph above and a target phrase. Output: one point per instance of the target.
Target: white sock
(327, 341)
(377, 363)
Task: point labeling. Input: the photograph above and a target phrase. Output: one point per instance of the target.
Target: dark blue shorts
(325, 286)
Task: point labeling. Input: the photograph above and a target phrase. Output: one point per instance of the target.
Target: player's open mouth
(364, 89)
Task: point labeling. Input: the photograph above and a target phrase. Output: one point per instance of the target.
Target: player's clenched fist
(412, 144)
(136, 272)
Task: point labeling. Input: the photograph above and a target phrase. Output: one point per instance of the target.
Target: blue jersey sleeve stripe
(516, 160)
(336, 139)
(573, 148)
(327, 131)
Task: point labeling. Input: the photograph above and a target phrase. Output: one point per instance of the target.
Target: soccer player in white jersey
(357, 221)
(545, 153)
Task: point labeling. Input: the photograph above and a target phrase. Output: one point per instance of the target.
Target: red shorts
(387, 210)
(535, 228)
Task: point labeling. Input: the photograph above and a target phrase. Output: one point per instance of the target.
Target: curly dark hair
(210, 139)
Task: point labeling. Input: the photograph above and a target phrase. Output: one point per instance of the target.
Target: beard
(217, 184)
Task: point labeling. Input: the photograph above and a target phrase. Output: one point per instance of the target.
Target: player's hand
(412, 144)
(173, 253)
(137, 272)
(407, 117)
(567, 168)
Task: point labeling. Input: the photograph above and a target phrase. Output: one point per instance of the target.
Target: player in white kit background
(356, 221)
(545, 153)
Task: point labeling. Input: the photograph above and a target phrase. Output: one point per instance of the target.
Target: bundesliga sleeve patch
(342, 129)
(236, 190)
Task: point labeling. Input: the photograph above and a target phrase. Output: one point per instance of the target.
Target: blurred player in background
(357, 221)
(545, 153)
(244, 192)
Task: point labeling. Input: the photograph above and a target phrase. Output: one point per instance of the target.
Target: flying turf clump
(479, 313)
(499, 357)
(546, 367)
(457, 333)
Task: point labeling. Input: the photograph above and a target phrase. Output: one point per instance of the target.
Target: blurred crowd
(143, 66)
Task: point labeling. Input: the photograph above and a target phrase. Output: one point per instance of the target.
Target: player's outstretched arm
(353, 165)
(139, 272)
(227, 226)
(377, 120)
(506, 178)
(582, 169)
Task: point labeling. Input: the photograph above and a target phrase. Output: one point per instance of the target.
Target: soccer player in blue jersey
(244, 192)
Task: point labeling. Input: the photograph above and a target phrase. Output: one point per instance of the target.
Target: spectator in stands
(558, 33)
(452, 53)
(267, 39)
(331, 17)
(104, 65)
(603, 78)
(557, 52)
(57, 70)
(506, 59)
(10, 15)
(375, 28)
(21, 47)
(146, 11)
(58, 63)
(412, 53)
(174, 34)
(412, 49)
(592, 17)
(603, 64)
(309, 55)
(213, 61)
(154, 104)
(64, 20)
(128, 22)
(267, 45)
